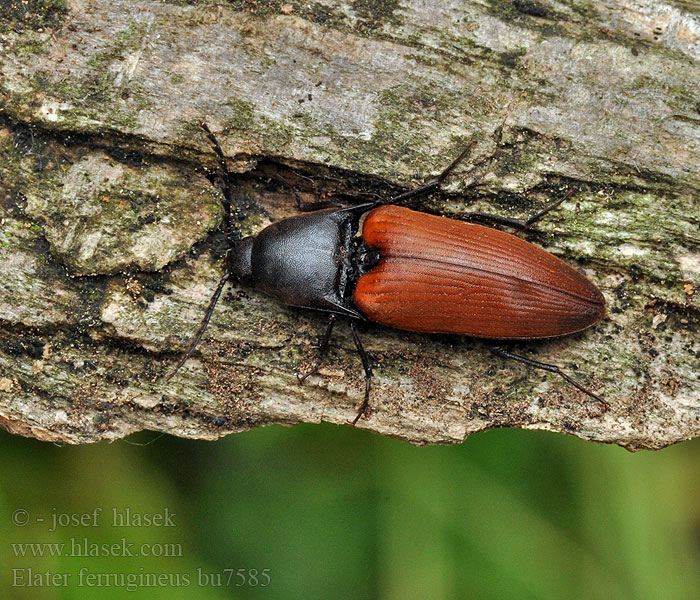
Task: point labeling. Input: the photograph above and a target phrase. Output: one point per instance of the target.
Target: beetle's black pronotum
(413, 271)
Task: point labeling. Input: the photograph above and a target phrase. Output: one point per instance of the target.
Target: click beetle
(410, 270)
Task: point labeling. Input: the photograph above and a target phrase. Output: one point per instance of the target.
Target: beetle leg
(322, 349)
(434, 184)
(510, 222)
(547, 367)
(536, 217)
(491, 219)
(368, 371)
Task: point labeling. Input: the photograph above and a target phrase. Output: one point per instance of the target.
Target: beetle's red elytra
(412, 271)
(439, 275)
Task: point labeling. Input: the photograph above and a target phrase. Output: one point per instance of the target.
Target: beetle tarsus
(368, 373)
(552, 369)
(364, 407)
(322, 349)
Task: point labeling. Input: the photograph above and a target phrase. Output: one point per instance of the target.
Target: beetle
(410, 270)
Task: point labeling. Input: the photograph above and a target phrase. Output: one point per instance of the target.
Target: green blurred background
(334, 512)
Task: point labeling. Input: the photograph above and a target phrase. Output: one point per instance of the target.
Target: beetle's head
(238, 259)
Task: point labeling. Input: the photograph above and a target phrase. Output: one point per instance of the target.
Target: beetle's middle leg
(433, 184)
(322, 349)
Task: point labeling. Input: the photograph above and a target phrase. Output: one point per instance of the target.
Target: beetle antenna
(228, 233)
(203, 326)
(225, 182)
(498, 351)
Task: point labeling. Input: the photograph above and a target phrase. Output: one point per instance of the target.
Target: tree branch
(109, 243)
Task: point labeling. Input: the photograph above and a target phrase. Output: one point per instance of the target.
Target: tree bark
(110, 245)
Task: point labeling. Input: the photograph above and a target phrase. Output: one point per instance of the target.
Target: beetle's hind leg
(498, 351)
(510, 222)
(368, 372)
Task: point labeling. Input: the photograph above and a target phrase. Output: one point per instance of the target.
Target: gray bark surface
(109, 231)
